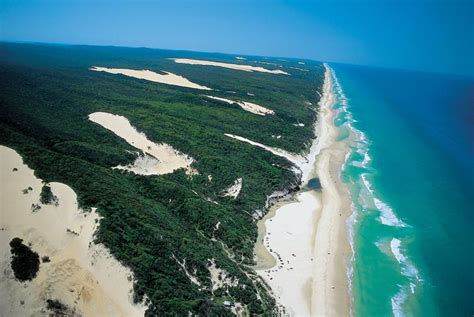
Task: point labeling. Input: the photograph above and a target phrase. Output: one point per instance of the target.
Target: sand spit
(245, 68)
(157, 158)
(234, 190)
(81, 274)
(168, 78)
(247, 106)
(314, 284)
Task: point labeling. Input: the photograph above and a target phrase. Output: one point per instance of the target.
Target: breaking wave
(366, 200)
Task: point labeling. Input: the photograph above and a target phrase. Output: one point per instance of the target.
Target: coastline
(310, 252)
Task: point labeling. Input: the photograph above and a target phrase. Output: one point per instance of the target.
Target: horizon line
(462, 75)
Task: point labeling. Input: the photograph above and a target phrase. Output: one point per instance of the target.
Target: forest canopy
(153, 224)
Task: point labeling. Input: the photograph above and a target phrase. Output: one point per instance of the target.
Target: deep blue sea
(411, 177)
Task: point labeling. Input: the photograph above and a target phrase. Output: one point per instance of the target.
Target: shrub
(47, 197)
(25, 262)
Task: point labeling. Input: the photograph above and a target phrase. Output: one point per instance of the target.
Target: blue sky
(430, 35)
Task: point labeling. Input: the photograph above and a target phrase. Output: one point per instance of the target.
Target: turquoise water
(410, 174)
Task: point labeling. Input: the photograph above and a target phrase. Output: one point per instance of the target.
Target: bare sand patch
(220, 277)
(303, 164)
(247, 106)
(157, 158)
(168, 78)
(294, 158)
(245, 68)
(81, 274)
(234, 190)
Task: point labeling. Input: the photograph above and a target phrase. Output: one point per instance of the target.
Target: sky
(427, 35)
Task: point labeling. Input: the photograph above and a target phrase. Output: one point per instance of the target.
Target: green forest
(46, 95)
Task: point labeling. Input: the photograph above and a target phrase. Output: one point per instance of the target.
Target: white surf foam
(397, 303)
(352, 219)
(368, 198)
(387, 216)
(407, 268)
(409, 271)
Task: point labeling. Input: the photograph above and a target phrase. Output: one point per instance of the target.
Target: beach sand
(289, 242)
(81, 274)
(312, 224)
(167, 78)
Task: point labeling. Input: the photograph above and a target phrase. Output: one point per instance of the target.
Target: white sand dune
(158, 158)
(82, 275)
(304, 165)
(168, 78)
(318, 287)
(294, 158)
(234, 190)
(245, 68)
(247, 106)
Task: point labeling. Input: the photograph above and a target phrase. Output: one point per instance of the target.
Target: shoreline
(316, 281)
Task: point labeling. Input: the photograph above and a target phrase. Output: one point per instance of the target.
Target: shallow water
(410, 176)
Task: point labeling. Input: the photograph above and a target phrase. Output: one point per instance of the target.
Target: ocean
(410, 174)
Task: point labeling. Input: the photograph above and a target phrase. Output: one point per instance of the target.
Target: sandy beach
(307, 235)
(80, 274)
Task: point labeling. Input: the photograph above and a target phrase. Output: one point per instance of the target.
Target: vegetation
(59, 309)
(25, 262)
(46, 95)
(47, 197)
